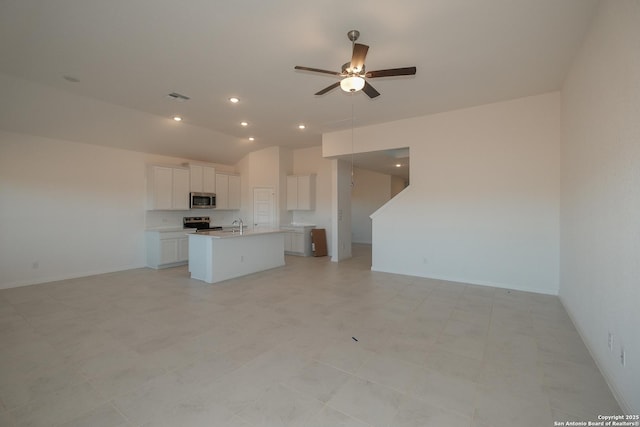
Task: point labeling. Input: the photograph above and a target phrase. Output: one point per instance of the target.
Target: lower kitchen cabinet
(294, 242)
(297, 240)
(167, 248)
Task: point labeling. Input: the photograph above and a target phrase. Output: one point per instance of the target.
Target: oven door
(202, 201)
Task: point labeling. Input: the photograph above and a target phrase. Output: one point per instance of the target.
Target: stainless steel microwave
(202, 200)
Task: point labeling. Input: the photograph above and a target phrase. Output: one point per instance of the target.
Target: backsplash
(154, 219)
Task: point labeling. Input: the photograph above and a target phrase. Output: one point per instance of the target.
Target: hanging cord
(352, 144)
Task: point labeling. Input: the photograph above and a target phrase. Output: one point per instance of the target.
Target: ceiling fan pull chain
(352, 144)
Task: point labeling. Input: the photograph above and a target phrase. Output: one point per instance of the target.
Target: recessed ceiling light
(177, 118)
(251, 138)
(244, 124)
(234, 100)
(301, 126)
(398, 165)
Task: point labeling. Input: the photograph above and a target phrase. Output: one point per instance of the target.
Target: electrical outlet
(610, 341)
(622, 356)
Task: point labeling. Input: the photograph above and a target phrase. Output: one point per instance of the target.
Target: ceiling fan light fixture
(352, 84)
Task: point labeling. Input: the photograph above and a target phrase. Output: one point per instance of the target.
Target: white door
(263, 207)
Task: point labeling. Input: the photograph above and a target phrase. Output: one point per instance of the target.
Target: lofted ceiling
(128, 55)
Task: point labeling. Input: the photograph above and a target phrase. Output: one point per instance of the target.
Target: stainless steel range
(199, 223)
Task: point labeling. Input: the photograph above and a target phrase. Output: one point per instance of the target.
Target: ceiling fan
(353, 73)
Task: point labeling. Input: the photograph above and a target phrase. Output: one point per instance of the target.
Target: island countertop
(223, 234)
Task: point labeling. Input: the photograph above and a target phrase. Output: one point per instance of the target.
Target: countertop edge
(232, 235)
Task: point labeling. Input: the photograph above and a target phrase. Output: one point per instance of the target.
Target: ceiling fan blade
(328, 88)
(406, 71)
(359, 54)
(370, 91)
(317, 70)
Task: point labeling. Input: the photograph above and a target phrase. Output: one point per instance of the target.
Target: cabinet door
(287, 241)
(222, 191)
(168, 251)
(234, 192)
(292, 193)
(208, 179)
(297, 242)
(180, 188)
(162, 187)
(183, 249)
(196, 178)
(304, 192)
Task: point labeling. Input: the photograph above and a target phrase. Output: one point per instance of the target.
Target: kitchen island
(215, 256)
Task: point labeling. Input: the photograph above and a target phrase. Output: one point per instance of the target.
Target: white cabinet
(294, 242)
(234, 192)
(180, 194)
(297, 240)
(301, 194)
(227, 191)
(167, 188)
(168, 251)
(167, 248)
(203, 179)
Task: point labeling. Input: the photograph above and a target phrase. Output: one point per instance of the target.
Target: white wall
(285, 165)
(310, 161)
(397, 185)
(600, 222)
(69, 209)
(340, 210)
(483, 202)
(265, 168)
(371, 190)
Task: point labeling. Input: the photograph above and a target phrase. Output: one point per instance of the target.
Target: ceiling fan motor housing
(346, 70)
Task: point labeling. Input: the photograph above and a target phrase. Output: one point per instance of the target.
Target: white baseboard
(626, 408)
(475, 282)
(76, 275)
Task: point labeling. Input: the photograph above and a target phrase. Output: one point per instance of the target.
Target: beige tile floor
(154, 348)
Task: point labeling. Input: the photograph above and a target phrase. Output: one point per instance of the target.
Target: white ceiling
(131, 53)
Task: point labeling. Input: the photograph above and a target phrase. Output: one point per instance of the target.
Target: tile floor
(278, 348)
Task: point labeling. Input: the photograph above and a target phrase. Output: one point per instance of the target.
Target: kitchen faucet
(240, 224)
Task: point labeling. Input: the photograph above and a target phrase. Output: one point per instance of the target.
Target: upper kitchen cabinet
(167, 188)
(203, 179)
(227, 191)
(301, 192)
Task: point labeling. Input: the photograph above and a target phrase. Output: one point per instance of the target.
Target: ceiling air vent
(178, 97)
